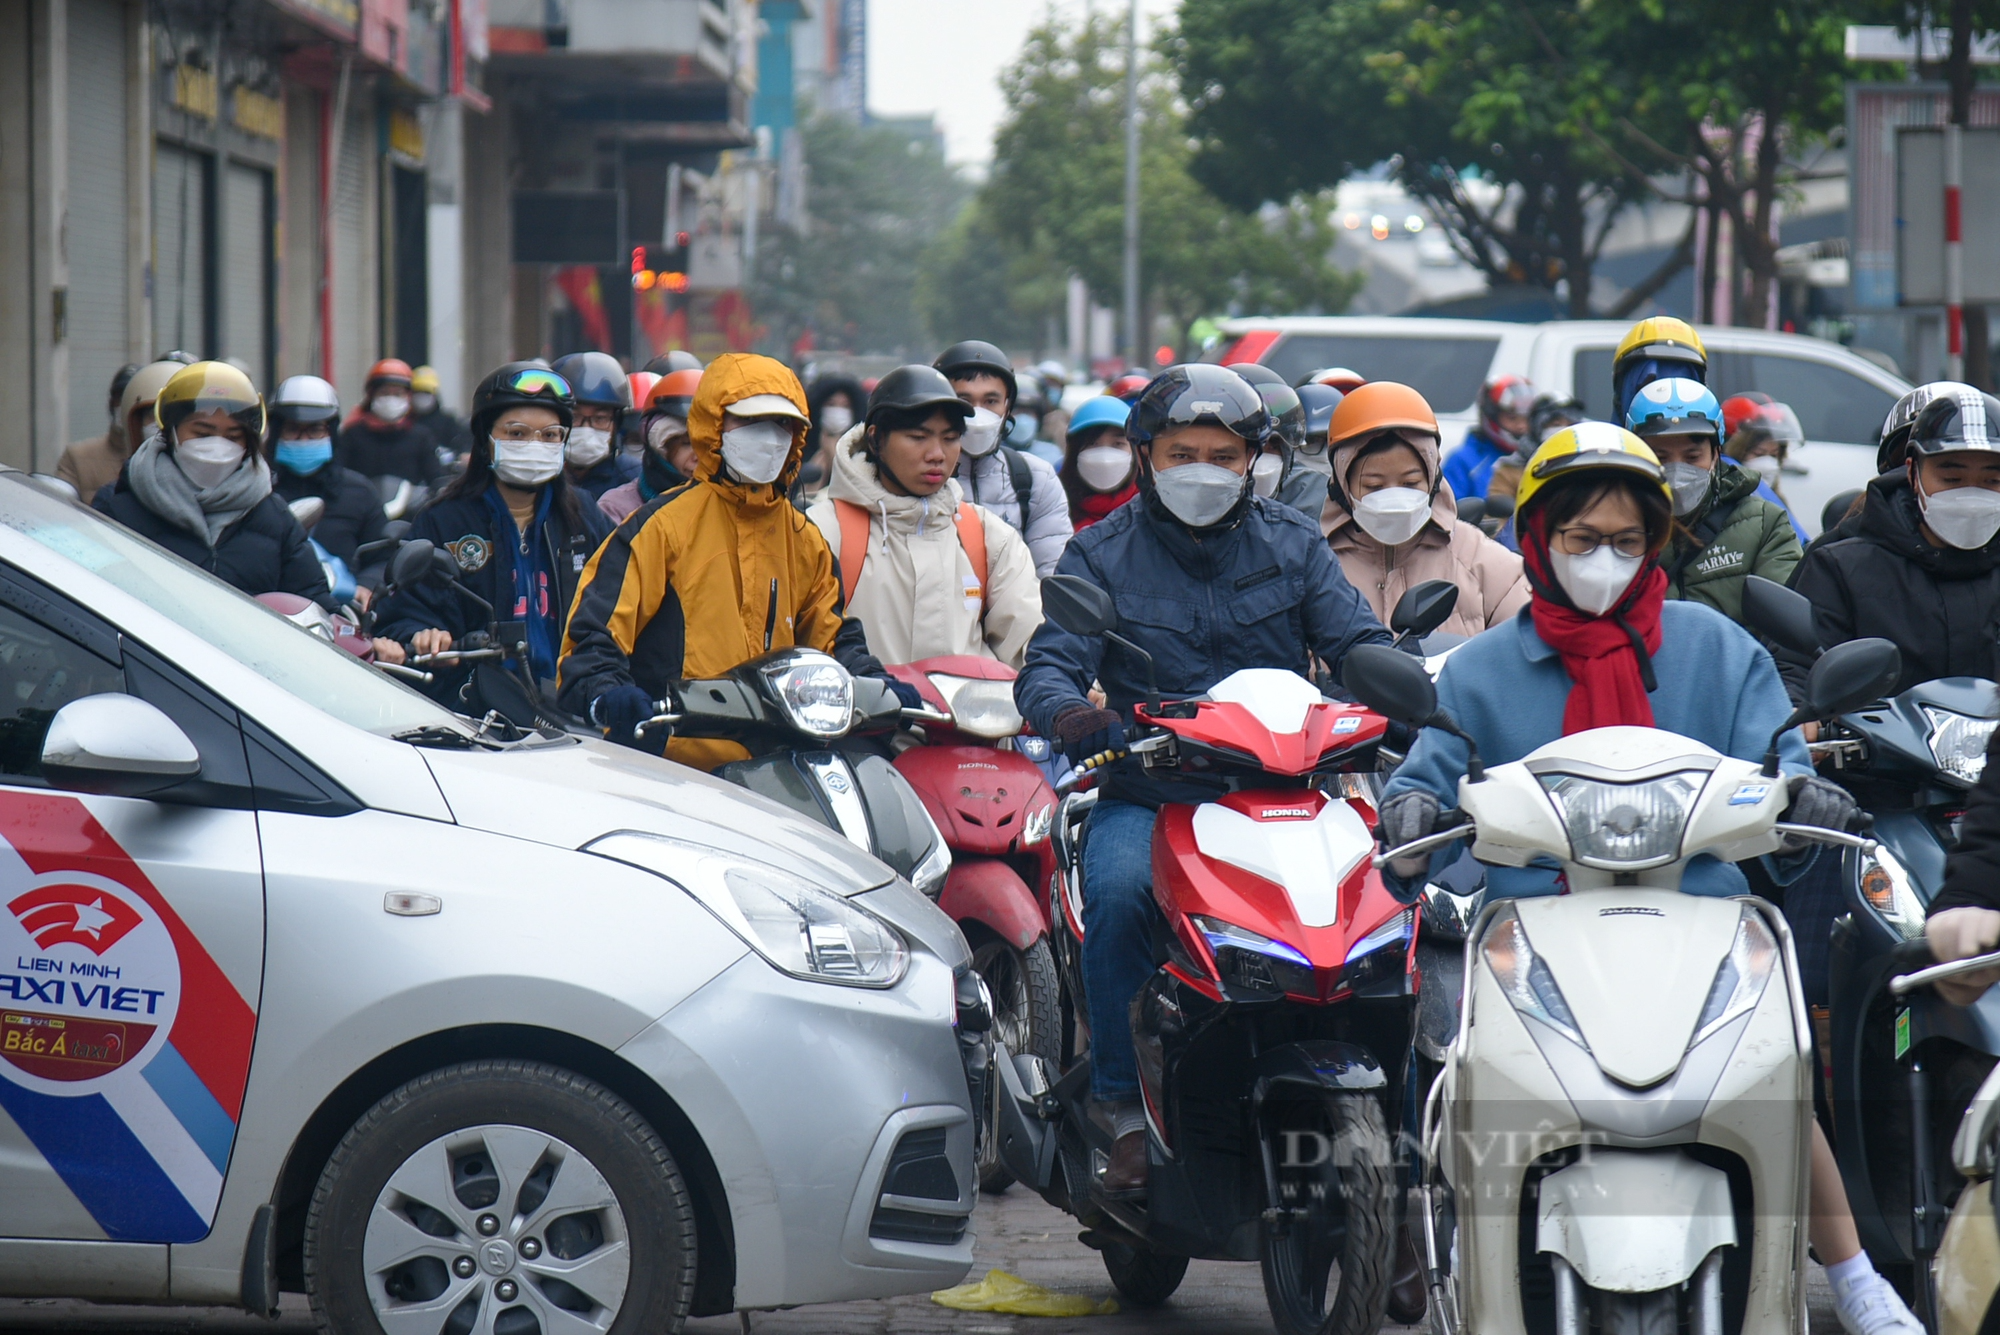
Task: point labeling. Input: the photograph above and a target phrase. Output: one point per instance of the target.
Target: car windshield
(329, 679)
(1446, 371)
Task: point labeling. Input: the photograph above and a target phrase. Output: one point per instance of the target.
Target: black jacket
(263, 552)
(1972, 872)
(407, 451)
(447, 432)
(353, 507)
(613, 470)
(1939, 605)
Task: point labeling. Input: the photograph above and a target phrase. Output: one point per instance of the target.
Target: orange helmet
(1379, 405)
(673, 392)
(389, 371)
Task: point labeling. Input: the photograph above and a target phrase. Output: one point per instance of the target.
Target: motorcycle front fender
(989, 892)
(1027, 1142)
(1632, 1222)
(1316, 1065)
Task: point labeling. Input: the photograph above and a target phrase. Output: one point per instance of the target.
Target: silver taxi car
(305, 983)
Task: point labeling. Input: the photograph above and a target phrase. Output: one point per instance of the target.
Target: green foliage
(971, 284)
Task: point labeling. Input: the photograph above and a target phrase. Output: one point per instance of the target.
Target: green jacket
(1735, 535)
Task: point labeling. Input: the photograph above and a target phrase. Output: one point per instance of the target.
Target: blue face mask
(304, 457)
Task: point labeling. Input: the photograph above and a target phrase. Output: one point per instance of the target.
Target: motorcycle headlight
(1379, 955)
(1526, 981)
(979, 708)
(1740, 978)
(797, 927)
(815, 694)
(1887, 889)
(1256, 963)
(1036, 827)
(1625, 825)
(929, 874)
(1958, 742)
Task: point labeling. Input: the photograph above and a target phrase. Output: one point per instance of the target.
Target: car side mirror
(1399, 687)
(1423, 609)
(1846, 677)
(1781, 615)
(414, 562)
(116, 745)
(1078, 606)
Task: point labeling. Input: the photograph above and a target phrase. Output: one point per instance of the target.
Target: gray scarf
(164, 489)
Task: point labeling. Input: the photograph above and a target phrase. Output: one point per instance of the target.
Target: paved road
(1017, 1232)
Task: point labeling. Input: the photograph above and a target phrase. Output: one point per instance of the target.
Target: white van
(1840, 396)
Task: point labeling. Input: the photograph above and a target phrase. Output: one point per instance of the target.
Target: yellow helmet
(1587, 446)
(1663, 338)
(210, 387)
(423, 380)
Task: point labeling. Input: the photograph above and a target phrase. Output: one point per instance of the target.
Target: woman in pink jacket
(1393, 522)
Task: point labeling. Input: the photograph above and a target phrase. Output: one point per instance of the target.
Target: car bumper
(815, 1101)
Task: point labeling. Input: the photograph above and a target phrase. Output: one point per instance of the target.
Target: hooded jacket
(989, 481)
(353, 509)
(915, 597)
(1737, 534)
(709, 575)
(1939, 605)
(377, 450)
(1491, 587)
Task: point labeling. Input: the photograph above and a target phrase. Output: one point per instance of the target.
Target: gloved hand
(1404, 817)
(621, 709)
(1818, 802)
(1085, 732)
(1959, 934)
(906, 695)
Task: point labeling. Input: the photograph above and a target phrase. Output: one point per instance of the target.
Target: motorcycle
(995, 807)
(1618, 1137)
(1968, 1259)
(1286, 969)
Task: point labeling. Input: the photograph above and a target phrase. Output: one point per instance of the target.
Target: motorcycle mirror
(1499, 507)
(1846, 677)
(1078, 606)
(1471, 510)
(414, 562)
(1423, 609)
(397, 529)
(1399, 688)
(1781, 615)
(308, 510)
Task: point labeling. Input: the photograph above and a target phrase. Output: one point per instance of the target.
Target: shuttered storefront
(245, 289)
(99, 207)
(183, 250)
(355, 279)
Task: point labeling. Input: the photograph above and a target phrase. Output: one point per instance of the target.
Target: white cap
(765, 405)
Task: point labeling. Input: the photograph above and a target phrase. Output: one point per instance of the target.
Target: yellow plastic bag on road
(1002, 1292)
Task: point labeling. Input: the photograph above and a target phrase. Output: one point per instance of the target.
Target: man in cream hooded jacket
(917, 593)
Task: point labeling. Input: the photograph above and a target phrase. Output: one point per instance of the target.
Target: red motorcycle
(1272, 1041)
(994, 807)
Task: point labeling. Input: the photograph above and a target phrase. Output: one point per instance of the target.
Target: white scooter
(1618, 1138)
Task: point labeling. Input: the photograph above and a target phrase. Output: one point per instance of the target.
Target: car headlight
(1526, 981)
(795, 925)
(815, 694)
(1379, 955)
(1625, 825)
(1958, 742)
(1256, 963)
(1036, 827)
(929, 874)
(979, 708)
(1886, 887)
(1740, 978)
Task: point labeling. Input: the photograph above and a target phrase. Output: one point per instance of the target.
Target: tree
(876, 201)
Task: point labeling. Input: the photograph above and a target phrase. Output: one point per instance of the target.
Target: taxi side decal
(124, 1048)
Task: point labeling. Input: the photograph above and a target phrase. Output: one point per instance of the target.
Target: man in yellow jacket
(711, 574)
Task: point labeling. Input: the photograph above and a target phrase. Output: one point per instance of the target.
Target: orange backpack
(854, 520)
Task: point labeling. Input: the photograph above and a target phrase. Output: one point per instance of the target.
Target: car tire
(492, 1192)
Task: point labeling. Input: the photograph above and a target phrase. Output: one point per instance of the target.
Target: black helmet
(1958, 417)
(908, 388)
(962, 361)
(1197, 392)
(515, 384)
(1551, 413)
(1319, 402)
(596, 378)
(1287, 409)
(1894, 443)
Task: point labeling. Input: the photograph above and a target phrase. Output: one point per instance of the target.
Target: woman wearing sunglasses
(518, 530)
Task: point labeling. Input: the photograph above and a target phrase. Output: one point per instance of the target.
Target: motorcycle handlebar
(406, 673)
(1905, 983)
(1087, 765)
(458, 655)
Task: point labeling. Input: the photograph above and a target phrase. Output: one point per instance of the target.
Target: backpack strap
(972, 537)
(853, 546)
(1023, 480)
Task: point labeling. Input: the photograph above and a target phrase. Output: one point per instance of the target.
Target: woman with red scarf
(1099, 470)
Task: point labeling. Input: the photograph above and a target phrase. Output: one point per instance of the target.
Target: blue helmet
(1319, 401)
(1100, 411)
(1675, 407)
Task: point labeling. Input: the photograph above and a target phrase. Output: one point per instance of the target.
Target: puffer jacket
(353, 508)
(265, 551)
(707, 576)
(1491, 587)
(376, 450)
(916, 596)
(990, 482)
(1737, 534)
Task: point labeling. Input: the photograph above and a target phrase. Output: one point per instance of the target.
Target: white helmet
(305, 398)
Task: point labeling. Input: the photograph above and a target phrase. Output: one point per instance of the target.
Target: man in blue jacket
(1209, 579)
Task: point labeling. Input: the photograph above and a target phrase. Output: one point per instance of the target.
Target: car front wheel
(501, 1198)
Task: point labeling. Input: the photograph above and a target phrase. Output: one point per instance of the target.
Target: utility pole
(1134, 338)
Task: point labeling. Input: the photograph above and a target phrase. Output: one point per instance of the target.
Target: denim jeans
(1118, 918)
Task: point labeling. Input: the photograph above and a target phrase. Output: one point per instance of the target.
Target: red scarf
(1600, 653)
(1099, 504)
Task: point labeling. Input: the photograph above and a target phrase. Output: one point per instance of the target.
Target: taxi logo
(472, 552)
(74, 915)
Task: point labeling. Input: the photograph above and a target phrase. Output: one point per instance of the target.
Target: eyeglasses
(1577, 540)
(538, 382)
(520, 435)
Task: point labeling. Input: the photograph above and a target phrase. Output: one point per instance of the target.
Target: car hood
(569, 793)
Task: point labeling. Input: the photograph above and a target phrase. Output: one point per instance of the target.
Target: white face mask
(390, 407)
(1765, 466)
(1393, 515)
(982, 433)
(527, 463)
(837, 418)
(207, 459)
(587, 446)
(1265, 474)
(756, 451)
(1690, 484)
(664, 431)
(1965, 517)
(1105, 468)
(1198, 494)
(1595, 582)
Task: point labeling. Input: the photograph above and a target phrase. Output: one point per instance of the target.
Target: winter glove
(906, 695)
(621, 709)
(1085, 732)
(1405, 817)
(1959, 934)
(1817, 802)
